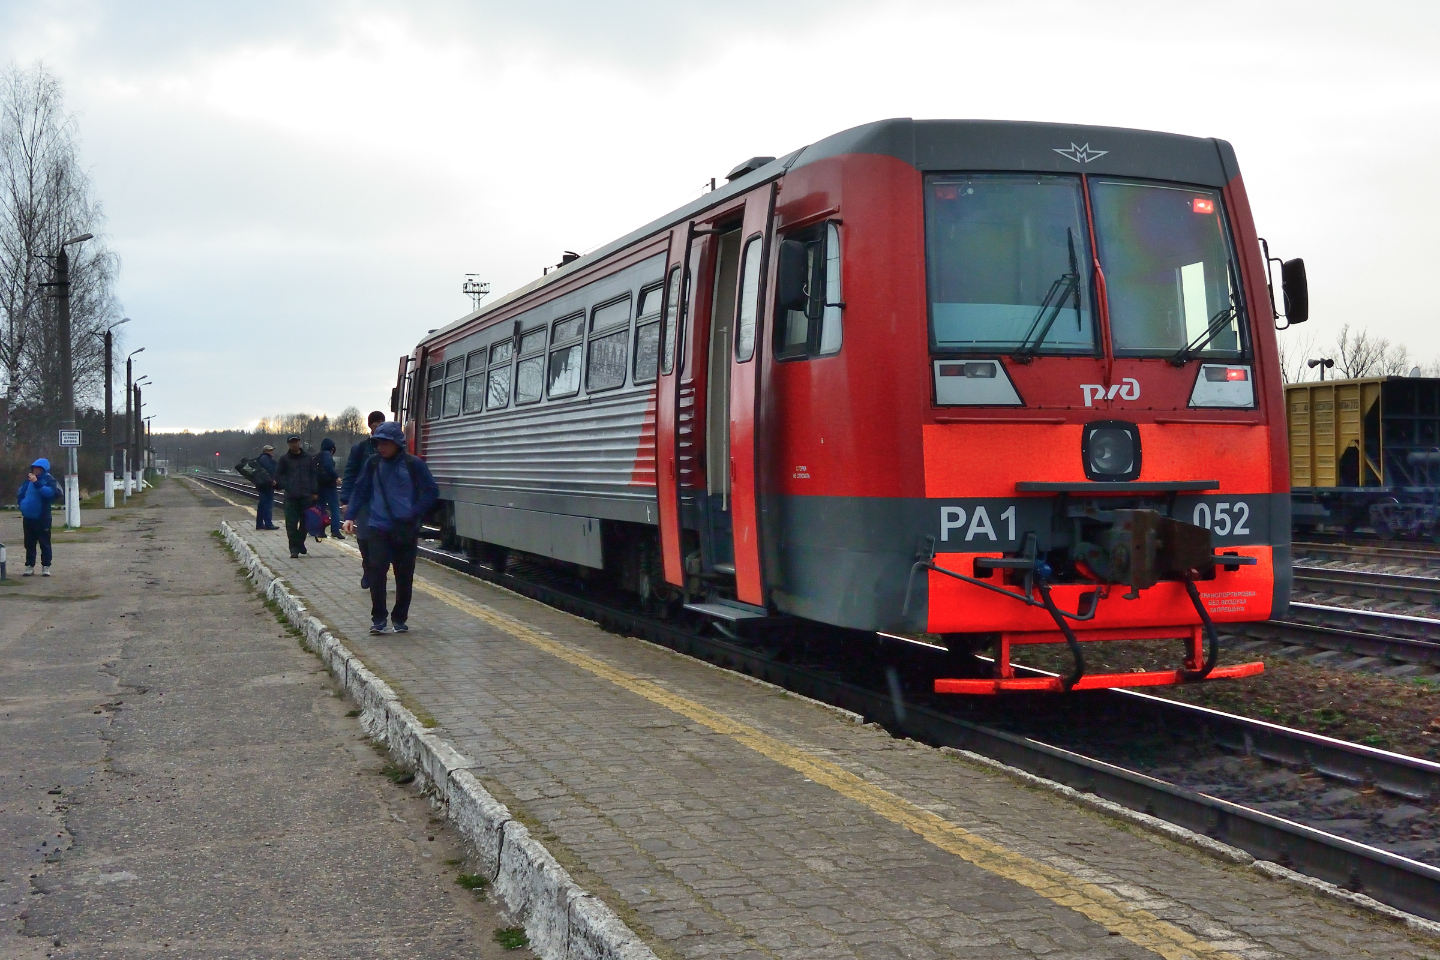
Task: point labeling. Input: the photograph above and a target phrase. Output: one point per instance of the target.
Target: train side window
(565, 347)
(749, 301)
(815, 330)
(667, 332)
(435, 382)
(497, 396)
(474, 382)
(530, 368)
(647, 333)
(605, 364)
(454, 386)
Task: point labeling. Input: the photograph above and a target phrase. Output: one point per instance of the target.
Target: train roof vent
(749, 166)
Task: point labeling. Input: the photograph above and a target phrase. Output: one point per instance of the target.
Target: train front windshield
(1010, 270)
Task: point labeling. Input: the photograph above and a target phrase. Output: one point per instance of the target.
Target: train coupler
(1006, 680)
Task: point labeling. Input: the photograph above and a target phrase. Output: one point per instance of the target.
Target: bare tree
(1357, 354)
(1294, 352)
(1396, 361)
(350, 424)
(45, 198)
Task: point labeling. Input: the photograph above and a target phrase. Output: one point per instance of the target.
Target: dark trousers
(37, 534)
(382, 550)
(263, 518)
(295, 522)
(330, 501)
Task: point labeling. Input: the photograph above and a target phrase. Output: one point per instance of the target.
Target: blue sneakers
(378, 627)
(401, 627)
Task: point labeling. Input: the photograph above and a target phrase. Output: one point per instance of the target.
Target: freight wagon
(1366, 453)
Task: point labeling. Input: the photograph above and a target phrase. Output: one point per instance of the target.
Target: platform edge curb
(1202, 843)
(562, 920)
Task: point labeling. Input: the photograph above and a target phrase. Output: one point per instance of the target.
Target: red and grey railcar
(998, 382)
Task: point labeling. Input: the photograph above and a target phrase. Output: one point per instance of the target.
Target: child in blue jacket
(36, 494)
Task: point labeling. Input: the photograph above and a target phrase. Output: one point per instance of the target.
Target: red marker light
(1237, 373)
(1201, 205)
(946, 192)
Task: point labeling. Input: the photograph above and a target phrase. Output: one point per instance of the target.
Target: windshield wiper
(1067, 285)
(1218, 323)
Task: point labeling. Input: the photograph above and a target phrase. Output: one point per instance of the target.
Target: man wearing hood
(36, 494)
(359, 454)
(327, 479)
(390, 499)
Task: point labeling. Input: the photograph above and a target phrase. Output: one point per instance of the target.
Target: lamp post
(1324, 363)
(67, 378)
(136, 466)
(109, 421)
(129, 420)
(149, 458)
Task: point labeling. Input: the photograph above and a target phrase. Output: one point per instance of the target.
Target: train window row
(550, 361)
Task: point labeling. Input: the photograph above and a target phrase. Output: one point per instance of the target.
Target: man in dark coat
(391, 497)
(36, 494)
(295, 474)
(264, 519)
(359, 453)
(328, 479)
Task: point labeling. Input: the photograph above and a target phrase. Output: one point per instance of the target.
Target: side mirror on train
(790, 293)
(1296, 290)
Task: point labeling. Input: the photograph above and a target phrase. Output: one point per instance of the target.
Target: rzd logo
(1127, 389)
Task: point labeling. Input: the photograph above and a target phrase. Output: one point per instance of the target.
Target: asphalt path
(179, 778)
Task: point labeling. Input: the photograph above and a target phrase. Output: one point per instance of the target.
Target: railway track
(896, 696)
(1413, 554)
(1364, 583)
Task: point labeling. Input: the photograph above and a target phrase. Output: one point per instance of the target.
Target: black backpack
(326, 474)
(251, 470)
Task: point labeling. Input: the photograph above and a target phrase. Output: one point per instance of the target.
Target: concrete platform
(724, 818)
(179, 778)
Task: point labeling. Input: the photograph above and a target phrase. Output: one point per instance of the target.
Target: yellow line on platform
(1137, 925)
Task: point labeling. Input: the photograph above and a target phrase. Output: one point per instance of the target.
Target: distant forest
(189, 451)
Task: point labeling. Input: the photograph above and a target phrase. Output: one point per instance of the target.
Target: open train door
(745, 394)
(404, 398)
(667, 391)
(706, 401)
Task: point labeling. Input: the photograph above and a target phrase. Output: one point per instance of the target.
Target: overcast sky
(296, 190)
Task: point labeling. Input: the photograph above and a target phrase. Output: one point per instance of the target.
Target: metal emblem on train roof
(1080, 154)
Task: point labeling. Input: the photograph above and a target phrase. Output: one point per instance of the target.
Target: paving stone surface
(178, 778)
(708, 847)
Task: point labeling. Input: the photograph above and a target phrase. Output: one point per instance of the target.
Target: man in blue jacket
(390, 499)
(36, 494)
(359, 454)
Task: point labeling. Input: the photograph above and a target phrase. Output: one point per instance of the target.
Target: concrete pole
(109, 422)
(67, 387)
(129, 423)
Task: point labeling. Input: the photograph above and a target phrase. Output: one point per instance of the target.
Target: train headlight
(1110, 450)
(1223, 385)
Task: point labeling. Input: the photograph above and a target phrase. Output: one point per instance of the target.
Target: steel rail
(1361, 551)
(1399, 881)
(1363, 583)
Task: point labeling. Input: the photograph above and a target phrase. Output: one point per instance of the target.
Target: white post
(109, 489)
(72, 492)
(125, 473)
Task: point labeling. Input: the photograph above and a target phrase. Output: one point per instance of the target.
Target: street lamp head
(117, 323)
(80, 239)
(133, 352)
